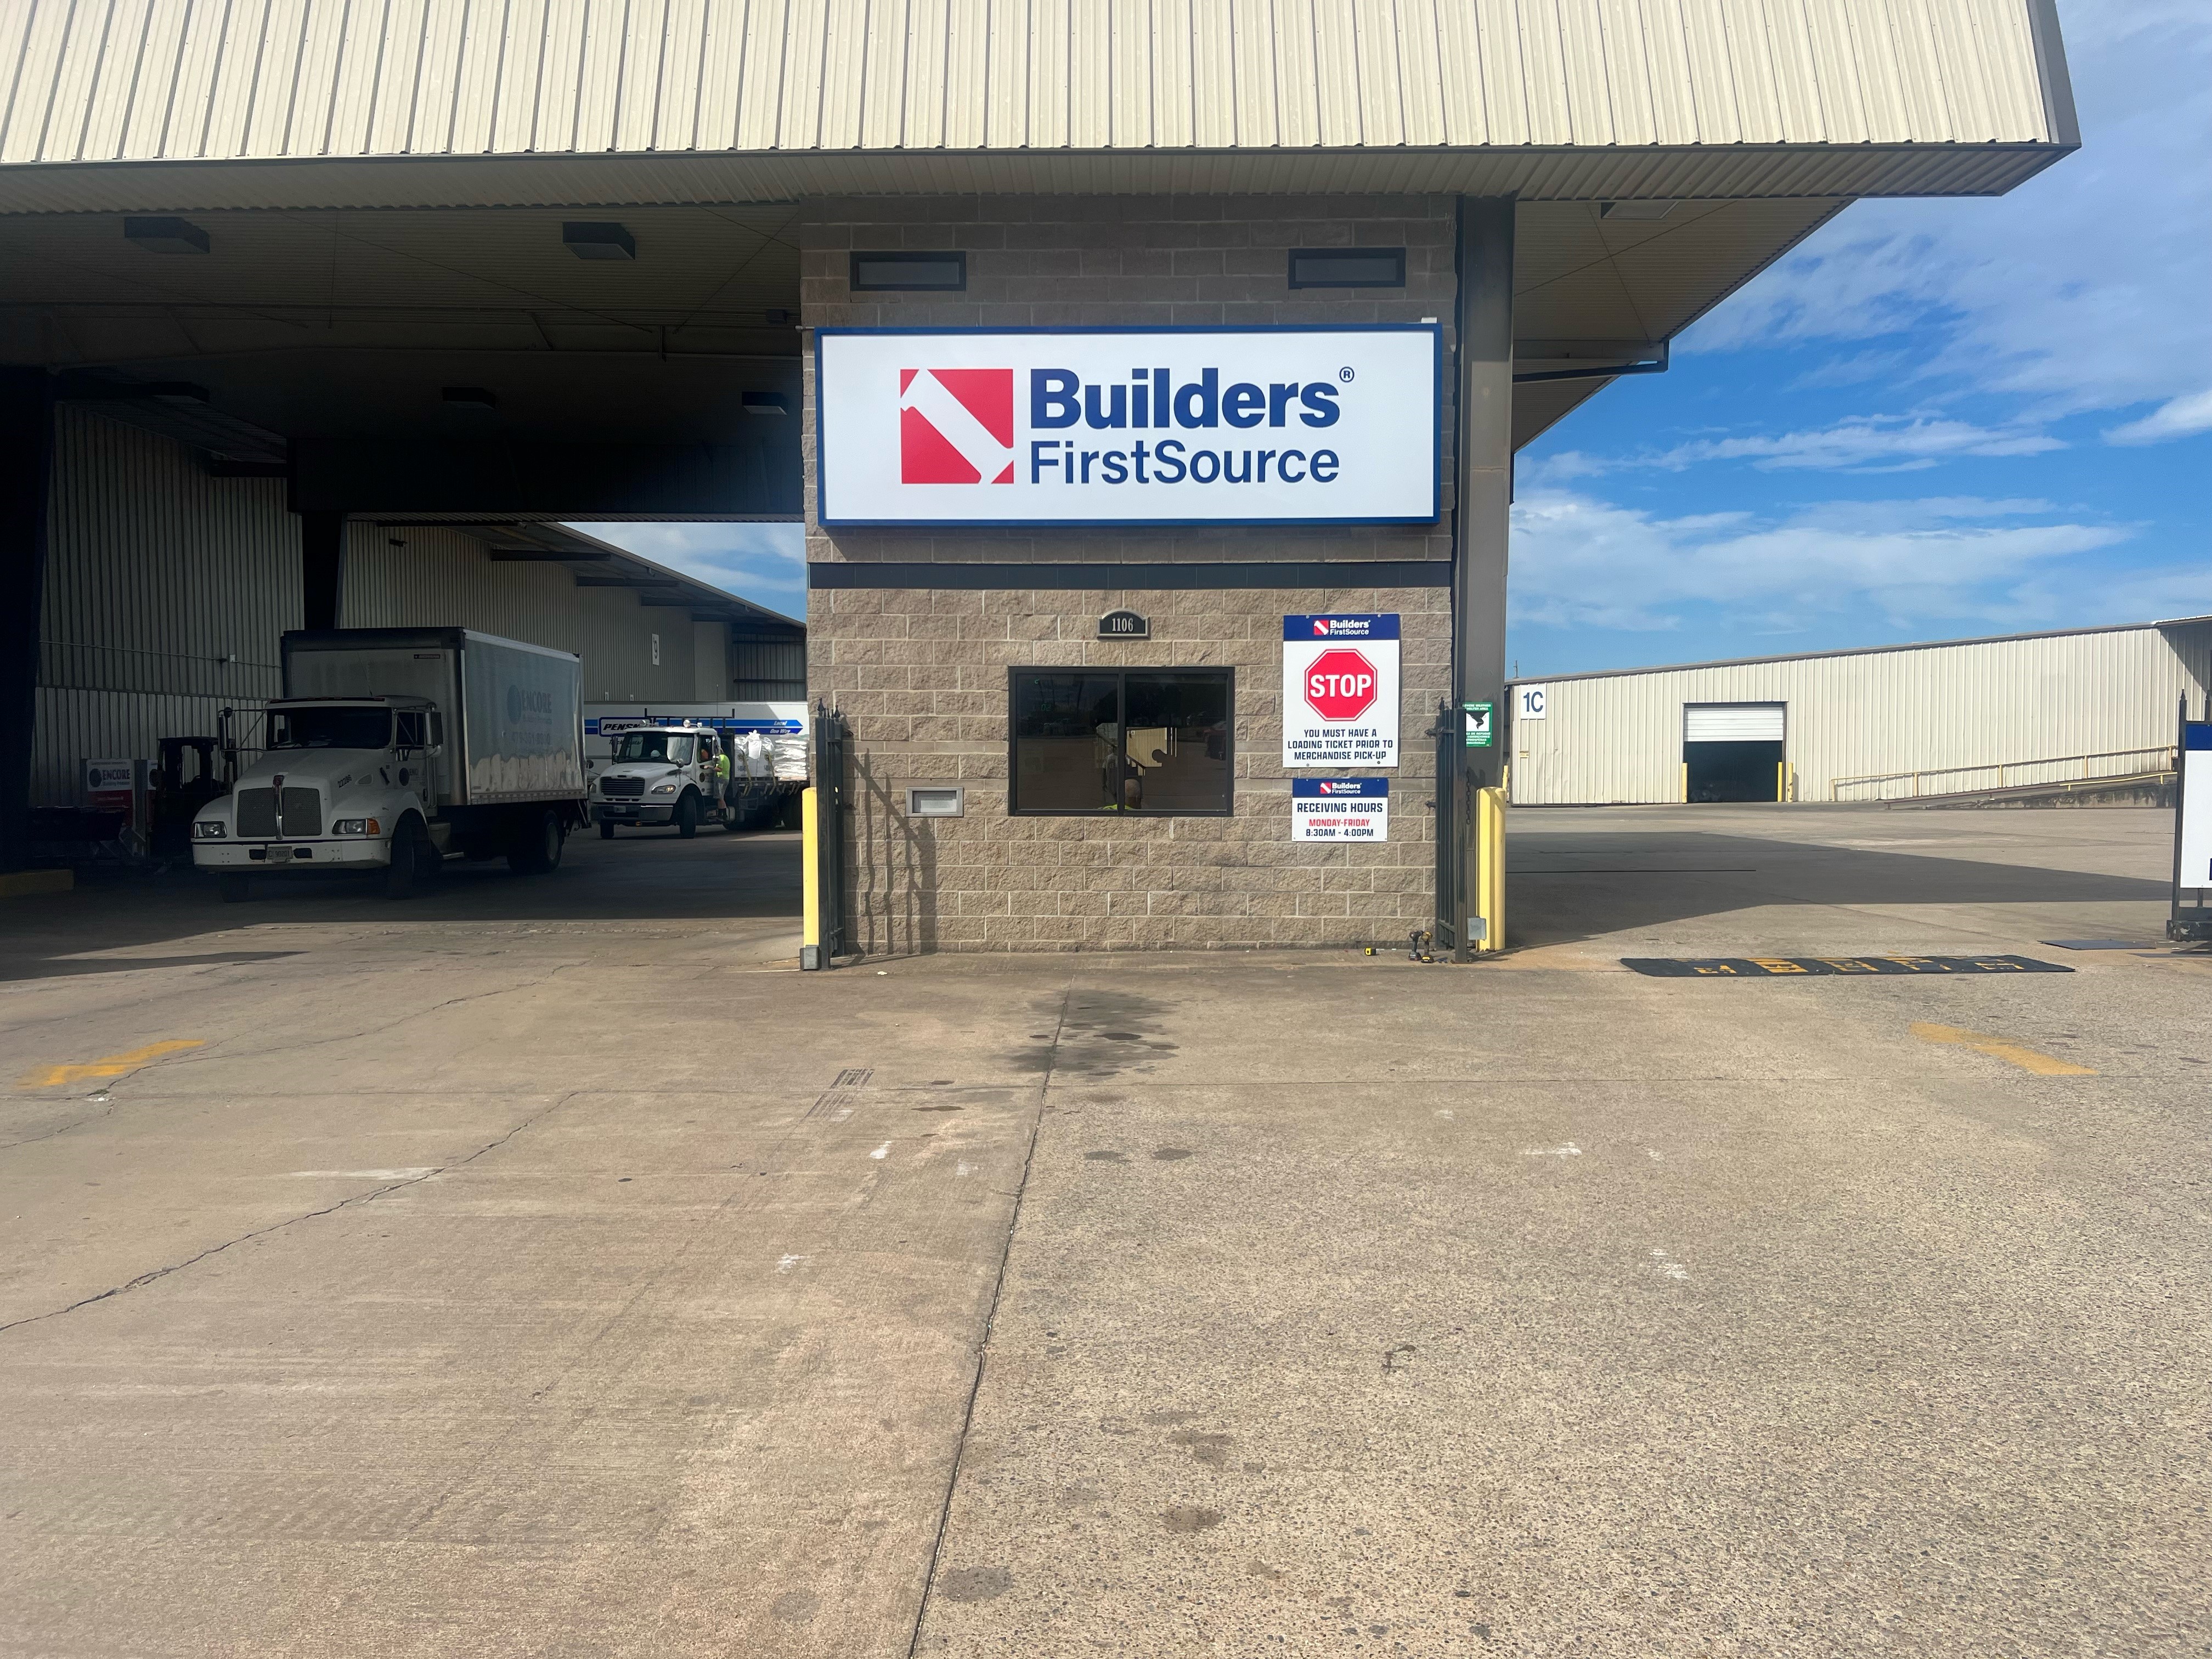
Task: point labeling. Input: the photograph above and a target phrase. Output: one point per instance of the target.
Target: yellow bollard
(1490, 868)
(810, 927)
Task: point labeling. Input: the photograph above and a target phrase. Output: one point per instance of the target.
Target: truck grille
(256, 814)
(622, 786)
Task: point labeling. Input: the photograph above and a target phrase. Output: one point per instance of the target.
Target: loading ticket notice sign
(1340, 691)
(1339, 808)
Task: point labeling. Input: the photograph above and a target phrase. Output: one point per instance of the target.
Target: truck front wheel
(687, 815)
(413, 858)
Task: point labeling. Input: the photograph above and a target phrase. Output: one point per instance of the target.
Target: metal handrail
(2164, 752)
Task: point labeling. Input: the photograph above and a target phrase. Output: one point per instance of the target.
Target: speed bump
(1830, 967)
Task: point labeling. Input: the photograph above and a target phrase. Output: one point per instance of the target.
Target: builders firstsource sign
(1128, 426)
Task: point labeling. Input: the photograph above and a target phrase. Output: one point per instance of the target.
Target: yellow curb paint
(49, 1077)
(1997, 1048)
(23, 883)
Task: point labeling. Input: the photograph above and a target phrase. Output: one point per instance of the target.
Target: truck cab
(341, 781)
(663, 774)
(395, 748)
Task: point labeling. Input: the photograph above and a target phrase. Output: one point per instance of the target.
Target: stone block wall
(921, 675)
(921, 672)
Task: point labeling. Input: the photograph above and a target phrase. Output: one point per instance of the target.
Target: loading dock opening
(1733, 751)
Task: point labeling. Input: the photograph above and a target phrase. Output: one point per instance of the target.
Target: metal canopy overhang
(1529, 173)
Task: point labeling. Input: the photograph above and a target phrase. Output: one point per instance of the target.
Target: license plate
(280, 855)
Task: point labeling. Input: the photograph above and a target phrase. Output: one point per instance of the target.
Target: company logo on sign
(1170, 426)
(1341, 700)
(1340, 684)
(1347, 787)
(955, 426)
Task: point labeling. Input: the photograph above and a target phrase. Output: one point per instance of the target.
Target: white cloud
(2083, 289)
(2181, 417)
(1865, 443)
(1581, 563)
(763, 562)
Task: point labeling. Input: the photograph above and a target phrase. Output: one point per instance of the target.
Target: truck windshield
(673, 747)
(329, 728)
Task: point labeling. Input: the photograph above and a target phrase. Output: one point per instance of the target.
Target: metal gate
(825, 937)
(1451, 768)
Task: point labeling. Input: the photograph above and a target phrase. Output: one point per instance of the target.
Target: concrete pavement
(548, 1268)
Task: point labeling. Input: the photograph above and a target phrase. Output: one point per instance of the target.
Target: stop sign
(1340, 685)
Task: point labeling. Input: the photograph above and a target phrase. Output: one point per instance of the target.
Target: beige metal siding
(440, 577)
(1979, 703)
(107, 79)
(165, 593)
(765, 671)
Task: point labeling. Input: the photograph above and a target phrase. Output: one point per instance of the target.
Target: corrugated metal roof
(1553, 98)
(1859, 650)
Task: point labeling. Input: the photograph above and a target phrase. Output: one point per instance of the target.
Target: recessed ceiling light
(468, 396)
(1635, 212)
(599, 240)
(166, 235)
(767, 402)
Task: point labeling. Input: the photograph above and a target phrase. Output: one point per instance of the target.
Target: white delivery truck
(657, 767)
(395, 748)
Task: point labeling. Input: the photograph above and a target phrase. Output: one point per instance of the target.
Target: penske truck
(656, 767)
(394, 749)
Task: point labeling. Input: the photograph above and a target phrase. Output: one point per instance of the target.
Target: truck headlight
(354, 827)
(207, 829)
(664, 788)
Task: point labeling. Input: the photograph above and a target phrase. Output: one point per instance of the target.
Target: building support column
(322, 567)
(1480, 515)
(27, 456)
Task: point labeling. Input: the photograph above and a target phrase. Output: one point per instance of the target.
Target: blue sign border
(1434, 330)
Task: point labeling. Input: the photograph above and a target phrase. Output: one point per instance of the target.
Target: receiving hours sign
(1339, 808)
(1340, 691)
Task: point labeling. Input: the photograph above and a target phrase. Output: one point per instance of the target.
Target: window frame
(1291, 266)
(1120, 673)
(907, 256)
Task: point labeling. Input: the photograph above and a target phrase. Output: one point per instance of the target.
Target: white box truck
(395, 748)
(656, 766)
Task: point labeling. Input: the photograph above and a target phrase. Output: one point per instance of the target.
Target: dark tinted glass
(1346, 267)
(1072, 753)
(1178, 743)
(1067, 742)
(893, 273)
(329, 728)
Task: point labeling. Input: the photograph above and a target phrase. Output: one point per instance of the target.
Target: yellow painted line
(2028, 1059)
(49, 1077)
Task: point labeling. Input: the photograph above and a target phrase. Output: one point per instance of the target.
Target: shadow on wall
(894, 871)
(1565, 887)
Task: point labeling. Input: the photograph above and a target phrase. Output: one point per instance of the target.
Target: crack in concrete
(108, 1110)
(370, 1197)
(990, 1320)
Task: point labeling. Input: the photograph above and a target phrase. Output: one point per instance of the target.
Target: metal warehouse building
(424, 267)
(1957, 717)
(172, 568)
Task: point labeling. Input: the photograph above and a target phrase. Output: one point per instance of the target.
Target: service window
(1154, 741)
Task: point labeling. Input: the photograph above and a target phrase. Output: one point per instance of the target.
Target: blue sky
(1934, 419)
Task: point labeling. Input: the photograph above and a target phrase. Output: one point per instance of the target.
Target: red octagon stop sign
(1340, 685)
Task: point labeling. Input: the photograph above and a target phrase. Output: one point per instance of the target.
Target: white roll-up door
(1732, 722)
